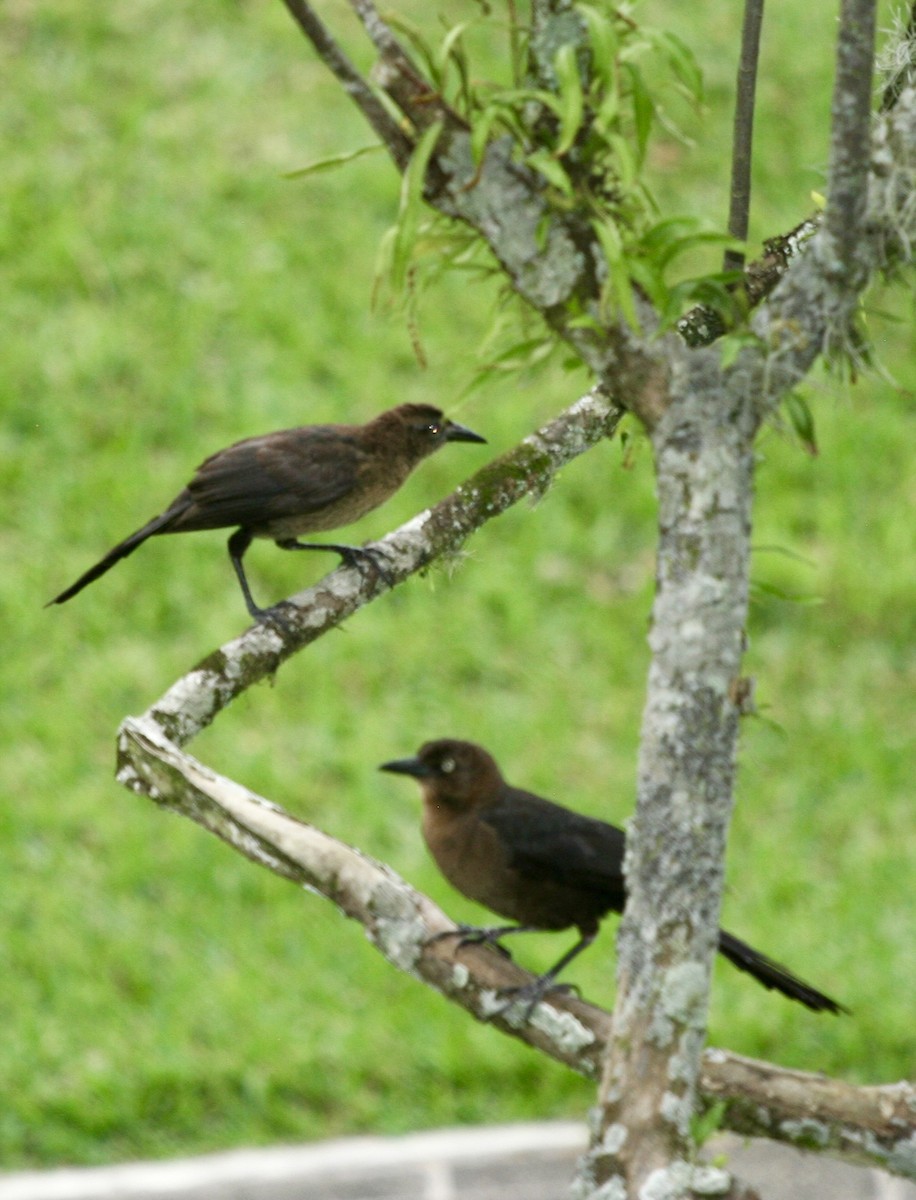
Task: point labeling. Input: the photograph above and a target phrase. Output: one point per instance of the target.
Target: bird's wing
(289, 473)
(554, 844)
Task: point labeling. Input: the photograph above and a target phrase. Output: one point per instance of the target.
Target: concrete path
(512, 1162)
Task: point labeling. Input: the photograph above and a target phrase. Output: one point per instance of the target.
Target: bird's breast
(369, 486)
(471, 857)
(478, 861)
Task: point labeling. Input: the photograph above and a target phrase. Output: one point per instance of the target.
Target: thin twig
(379, 33)
(398, 144)
(742, 142)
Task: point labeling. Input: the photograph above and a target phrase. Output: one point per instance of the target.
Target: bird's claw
(278, 615)
(533, 994)
(359, 557)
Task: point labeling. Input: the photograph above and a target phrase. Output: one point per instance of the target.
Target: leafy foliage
(580, 110)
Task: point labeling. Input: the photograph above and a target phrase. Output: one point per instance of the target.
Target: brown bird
(304, 480)
(539, 864)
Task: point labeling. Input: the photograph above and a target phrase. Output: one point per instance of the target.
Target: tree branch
(810, 311)
(398, 144)
(704, 459)
(742, 141)
(873, 1125)
(850, 147)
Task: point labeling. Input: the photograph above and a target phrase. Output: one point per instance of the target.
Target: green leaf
(328, 164)
(608, 111)
(643, 108)
(423, 48)
(681, 60)
(545, 164)
(704, 1125)
(622, 288)
(411, 205)
(506, 109)
(603, 41)
(808, 599)
(608, 235)
(730, 346)
(802, 421)
(449, 45)
(618, 287)
(452, 51)
(627, 168)
(572, 102)
(521, 355)
(667, 239)
(383, 259)
(646, 273)
(481, 130)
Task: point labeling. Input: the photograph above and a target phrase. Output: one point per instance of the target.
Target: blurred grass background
(166, 291)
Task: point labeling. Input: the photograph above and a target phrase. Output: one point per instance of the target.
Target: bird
(539, 864)
(309, 479)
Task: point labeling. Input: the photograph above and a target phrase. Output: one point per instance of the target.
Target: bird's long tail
(128, 546)
(773, 975)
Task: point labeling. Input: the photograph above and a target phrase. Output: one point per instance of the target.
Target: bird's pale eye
(435, 430)
(447, 766)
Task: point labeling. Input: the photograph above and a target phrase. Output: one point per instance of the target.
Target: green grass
(166, 291)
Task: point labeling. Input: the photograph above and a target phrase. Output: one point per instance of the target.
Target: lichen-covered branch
(676, 844)
(809, 297)
(873, 1125)
(850, 143)
(194, 701)
(811, 309)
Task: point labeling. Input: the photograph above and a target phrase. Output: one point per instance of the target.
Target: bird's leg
(238, 544)
(533, 993)
(352, 556)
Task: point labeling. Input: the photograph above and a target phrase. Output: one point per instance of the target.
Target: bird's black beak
(407, 766)
(460, 433)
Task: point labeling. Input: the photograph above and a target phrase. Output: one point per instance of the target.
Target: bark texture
(676, 850)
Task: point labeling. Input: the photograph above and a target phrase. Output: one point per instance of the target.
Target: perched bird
(304, 480)
(539, 864)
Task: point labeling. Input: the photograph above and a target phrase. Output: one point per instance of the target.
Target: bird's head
(459, 774)
(421, 429)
